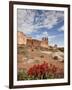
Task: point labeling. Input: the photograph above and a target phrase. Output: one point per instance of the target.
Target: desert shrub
(23, 76)
(32, 50)
(55, 57)
(61, 49)
(42, 56)
(62, 61)
(43, 49)
(22, 49)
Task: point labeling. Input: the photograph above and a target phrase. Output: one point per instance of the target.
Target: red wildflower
(42, 69)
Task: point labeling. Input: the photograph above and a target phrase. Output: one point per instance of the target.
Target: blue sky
(42, 23)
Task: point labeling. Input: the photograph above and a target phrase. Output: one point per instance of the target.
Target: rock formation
(23, 39)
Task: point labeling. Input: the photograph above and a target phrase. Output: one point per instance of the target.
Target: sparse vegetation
(36, 54)
(36, 61)
(55, 57)
(61, 49)
(42, 56)
(22, 75)
(40, 71)
(32, 50)
(43, 49)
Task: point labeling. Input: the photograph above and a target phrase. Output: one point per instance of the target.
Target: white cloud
(56, 39)
(45, 34)
(31, 20)
(52, 18)
(25, 20)
(61, 29)
(52, 37)
(39, 36)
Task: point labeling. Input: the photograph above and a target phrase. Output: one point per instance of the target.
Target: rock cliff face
(21, 38)
(44, 42)
(33, 42)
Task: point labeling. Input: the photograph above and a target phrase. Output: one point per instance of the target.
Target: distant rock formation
(23, 39)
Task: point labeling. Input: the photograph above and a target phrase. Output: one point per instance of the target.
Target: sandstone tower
(21, 38)
(44, 42)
